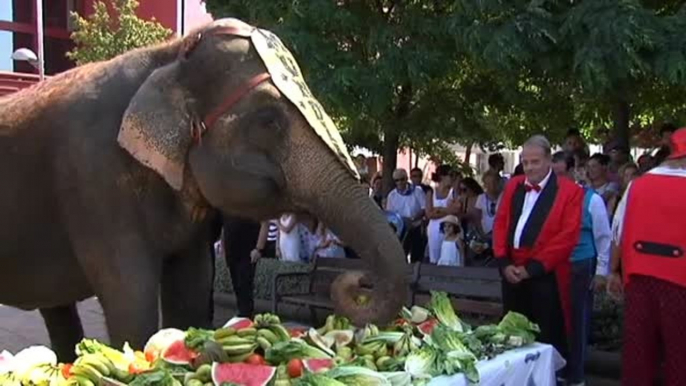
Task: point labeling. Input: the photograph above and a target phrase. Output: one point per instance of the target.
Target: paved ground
(20, 329)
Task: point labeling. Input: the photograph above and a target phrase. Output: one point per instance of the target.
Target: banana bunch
(368, 331)
(266, 319)
(237, 344)
(390, 364)
(201, 377)
(376, 349)
(405, 345)
(282, 378)
(90, 370)
(40, 375)
(333, 323)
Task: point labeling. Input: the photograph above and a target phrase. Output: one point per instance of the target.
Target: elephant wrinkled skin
(87, 210)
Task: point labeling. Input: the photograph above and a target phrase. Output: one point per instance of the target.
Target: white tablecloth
(533, 365)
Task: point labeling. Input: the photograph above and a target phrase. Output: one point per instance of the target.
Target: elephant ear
(155, 128)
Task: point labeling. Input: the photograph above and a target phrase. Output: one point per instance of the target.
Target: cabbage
(443, 310)
(354, 376)
(520, 327)
(398, 378)
(423, 363)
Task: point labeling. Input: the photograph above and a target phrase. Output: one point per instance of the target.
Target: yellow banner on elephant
(287, 77)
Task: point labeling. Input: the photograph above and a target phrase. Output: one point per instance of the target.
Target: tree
(387, 71)
(618, 61)
(100, 37)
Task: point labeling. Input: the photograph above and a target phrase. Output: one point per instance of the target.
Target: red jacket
(653, 240)
(551, 233)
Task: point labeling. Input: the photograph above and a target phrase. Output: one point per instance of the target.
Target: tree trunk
(390, 158)
(468, 153)
(391, 138)
(622, 115)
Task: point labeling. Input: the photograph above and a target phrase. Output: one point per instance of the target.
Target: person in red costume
(536, 228)
(650, 242)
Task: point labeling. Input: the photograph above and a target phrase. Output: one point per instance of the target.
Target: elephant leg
(65, 330)
(132, 311)
(186, 289)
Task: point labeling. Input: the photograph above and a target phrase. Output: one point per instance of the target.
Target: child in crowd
(289, 237)
(329, 245)
(452, 248)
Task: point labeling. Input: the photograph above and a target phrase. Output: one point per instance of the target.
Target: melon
(6, 362)
(242, 374)
(238, 323)
(317, 365)
(160, 341)
(340, 337)
(178, 354)
(427, 327)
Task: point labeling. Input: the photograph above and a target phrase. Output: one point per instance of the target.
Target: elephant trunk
(340, 202)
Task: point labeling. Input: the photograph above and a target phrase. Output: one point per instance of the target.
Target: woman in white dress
(452, 247)
(439, 203)
(289, 238)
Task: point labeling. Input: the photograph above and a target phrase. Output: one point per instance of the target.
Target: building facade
(18, 30)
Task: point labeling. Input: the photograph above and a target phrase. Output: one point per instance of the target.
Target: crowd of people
(564, 226)
(569, 225)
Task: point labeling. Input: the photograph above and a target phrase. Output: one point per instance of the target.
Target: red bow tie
(530, 187)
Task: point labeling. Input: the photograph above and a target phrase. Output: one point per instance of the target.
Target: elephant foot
(65, 330)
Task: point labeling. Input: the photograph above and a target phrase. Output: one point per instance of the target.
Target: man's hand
(255, 255)
(599, 283)
(511, 274)
(614, 286)
(522, 273)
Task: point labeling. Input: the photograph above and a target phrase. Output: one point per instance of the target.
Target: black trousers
(240, 238)
(539, 300)
(415, 244)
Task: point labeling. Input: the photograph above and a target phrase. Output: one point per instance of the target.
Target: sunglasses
(400, 179)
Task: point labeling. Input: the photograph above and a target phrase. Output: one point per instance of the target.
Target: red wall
(164, 11)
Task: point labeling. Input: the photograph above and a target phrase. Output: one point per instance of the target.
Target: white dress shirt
(530, 199)
(407, 205)
(602, 234)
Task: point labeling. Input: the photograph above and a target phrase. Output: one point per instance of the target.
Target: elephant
(113, 172)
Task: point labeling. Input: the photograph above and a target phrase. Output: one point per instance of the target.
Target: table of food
(424, 346)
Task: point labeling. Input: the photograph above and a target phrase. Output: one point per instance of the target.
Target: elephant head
(219, 118)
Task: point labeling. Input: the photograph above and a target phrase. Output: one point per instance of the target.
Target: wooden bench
(319, 277)
(475, 291)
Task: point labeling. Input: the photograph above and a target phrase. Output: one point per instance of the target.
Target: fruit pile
(421, 344)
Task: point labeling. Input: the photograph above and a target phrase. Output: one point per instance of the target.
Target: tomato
(150, 356)
(296, 332)
(66, 370)
(255, 359)
(295, 368)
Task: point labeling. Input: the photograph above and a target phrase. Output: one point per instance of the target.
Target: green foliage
(101, 38)
(586, 56)
(383, 68)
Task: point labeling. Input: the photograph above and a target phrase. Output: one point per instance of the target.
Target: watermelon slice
(317, 365)
(242, 374)
(238, 323)
(6, 362)
(160, 341)
(178, 354)
(427, 327)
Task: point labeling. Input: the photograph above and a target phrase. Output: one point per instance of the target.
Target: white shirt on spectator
(406, 205)
(530, 199)
(602, 235)
(484, 203)
(618, 221)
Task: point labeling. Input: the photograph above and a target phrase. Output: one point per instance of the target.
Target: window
(18, 11)
(9, 42)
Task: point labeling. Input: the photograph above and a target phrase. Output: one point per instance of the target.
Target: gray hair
(539, 141)
(399, 173)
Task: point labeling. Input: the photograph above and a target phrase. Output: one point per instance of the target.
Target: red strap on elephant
(235, 97)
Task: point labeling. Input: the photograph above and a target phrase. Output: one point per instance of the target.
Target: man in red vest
(650, 234)
(536, 228)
